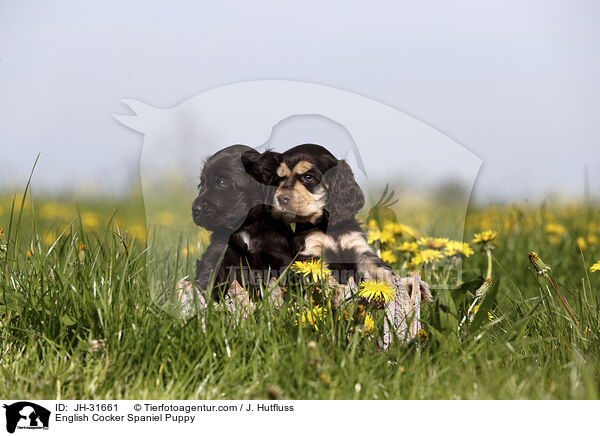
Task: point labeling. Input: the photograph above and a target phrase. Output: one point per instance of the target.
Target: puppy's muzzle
(199, 209)
(196, 211)
(284, 199)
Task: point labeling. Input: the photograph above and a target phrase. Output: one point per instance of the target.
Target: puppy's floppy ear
(262, 167)
(345, 198)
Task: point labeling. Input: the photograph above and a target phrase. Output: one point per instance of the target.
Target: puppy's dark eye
(307, 177)
(221, 182)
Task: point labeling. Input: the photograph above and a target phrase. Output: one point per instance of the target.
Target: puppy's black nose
(197, 208)
(195, 211)
(284, 199)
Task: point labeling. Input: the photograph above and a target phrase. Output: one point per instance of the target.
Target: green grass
(81, 323)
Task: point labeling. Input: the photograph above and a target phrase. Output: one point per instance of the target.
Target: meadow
(79, 316)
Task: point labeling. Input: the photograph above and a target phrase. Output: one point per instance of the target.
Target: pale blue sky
(515, 82)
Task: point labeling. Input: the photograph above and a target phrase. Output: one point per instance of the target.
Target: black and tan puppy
(318, 192)
(245, 239)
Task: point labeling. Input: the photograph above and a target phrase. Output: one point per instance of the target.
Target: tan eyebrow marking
(302, 167)
(283, 170)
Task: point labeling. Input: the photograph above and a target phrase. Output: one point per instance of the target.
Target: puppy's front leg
(369, 265)
(311, 245)
(208, 266)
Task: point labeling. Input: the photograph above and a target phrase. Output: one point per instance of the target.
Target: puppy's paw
(423, 287)
(386, 275)
(377, 273)
(338, 292)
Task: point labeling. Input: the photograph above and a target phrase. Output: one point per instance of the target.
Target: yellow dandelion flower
(540, 267)
(408, 247)
(90, 220)
(373, 290)
(392, 226)
(422, 335)
(490, 315)
(204, 237)
(595, 267)
(1, 232)
(314, 268)
(386, 236)
(165, 219)
(427, 257)
(345, 315)
(582, 243)
(433, 243)
(372, 224)
(49, 238)
(139, 231)
(49, 211)
(191, 250)
(83, 248)
(555, 229)
(18, 199)
(456, 248)
(592, 240)
(359, 313)
(325, 378)
(374, 235)
(388, 256)
(55, 210)
(408, 230)
(369, 324)
(311, 317)
(397, 228)
(484, 237)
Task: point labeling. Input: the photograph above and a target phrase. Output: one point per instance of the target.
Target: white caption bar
(21, 417)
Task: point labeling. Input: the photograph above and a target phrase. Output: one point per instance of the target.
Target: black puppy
(318, 192)
(245, 237)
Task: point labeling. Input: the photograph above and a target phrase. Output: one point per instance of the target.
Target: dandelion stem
(488, 274)
(562, 300)
(542, 269)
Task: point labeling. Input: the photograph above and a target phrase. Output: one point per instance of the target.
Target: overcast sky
(515, 82)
